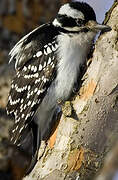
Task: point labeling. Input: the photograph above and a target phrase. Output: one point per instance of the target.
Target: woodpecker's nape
(48, 62)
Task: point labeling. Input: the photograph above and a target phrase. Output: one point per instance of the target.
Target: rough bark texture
(110, 168)
(84, 138)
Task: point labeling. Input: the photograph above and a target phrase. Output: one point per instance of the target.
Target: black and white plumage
(47, 63)
(35, 66)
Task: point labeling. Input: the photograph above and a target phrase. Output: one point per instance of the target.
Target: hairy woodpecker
(47, 63)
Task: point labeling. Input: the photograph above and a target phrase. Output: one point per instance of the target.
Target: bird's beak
(94, 26)
(102, 27)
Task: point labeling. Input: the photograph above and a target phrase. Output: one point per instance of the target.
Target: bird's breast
(71, 55)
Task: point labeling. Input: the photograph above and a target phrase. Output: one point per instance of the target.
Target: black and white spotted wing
(35, 66)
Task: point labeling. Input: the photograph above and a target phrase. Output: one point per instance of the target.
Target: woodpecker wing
(35, 62)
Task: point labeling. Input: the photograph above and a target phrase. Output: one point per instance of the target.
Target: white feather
(18, 47)
(67, 10)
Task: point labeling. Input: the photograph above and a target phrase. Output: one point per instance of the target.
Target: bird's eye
(80, 22)
(66, 21)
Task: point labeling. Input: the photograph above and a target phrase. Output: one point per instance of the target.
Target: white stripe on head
(56, 23)
(67, 10)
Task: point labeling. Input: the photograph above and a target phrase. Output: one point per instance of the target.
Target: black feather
(87, 10)
(36, 63)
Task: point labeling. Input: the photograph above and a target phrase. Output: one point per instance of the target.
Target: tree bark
(90, 131)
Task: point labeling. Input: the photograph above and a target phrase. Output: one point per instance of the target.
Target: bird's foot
(67, 109)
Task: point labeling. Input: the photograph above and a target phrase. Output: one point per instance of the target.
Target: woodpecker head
(78, 17)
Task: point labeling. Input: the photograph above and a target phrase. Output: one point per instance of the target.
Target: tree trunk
(90, 131)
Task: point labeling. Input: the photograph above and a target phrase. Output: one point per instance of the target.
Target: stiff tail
(41, 129)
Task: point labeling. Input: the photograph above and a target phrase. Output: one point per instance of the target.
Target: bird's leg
(67, 109)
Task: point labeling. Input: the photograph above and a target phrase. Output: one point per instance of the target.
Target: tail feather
(40, 128)
(46, 120)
